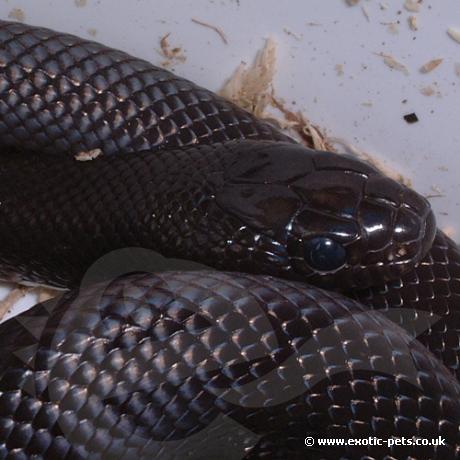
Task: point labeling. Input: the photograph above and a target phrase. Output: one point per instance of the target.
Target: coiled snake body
(247, 362)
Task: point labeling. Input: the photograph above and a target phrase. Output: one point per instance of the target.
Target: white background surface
(427, 152)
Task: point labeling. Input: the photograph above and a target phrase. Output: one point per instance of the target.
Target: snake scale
(244, 362)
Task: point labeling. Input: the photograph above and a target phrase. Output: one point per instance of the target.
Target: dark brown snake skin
(180, 364)
(207, 365)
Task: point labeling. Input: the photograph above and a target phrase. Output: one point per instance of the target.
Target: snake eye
(324, 254)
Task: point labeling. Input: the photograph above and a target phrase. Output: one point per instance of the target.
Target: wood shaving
(171, 54)
(392, 27)
(413, 5)
(88, 155)
(392, 63)
(216, 29)
(297, 124)
(413, 22)
(17, 14)
(352, 2)
(14, 296)
(92, 32)
(454, 34)
(431, 65)
(428, 91)
(251, 87)
(339, 69)
(80, 3)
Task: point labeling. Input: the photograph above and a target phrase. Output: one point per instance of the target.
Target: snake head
(325, 218)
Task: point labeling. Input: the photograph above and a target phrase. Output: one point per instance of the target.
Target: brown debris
(352, 2)
(430, 65)
(411, 118)
(92, 32)
(17, 14)
(171, 54)
(80, 3)
(392, 63)
(216, 29)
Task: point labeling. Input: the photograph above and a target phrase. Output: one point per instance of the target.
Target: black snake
(244, 362)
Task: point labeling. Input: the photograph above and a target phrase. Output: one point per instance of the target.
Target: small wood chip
(392, 63)
(411, 118)
(92, 32)
(427, 91)
(17, 14)
(413, 5)
(88, 155)
(218, 30)
(251, 87)
(430, 65)
(413, 22)
(80, 3)
(454, 34)
(392, 27)
(171, 54)
(352, 2)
